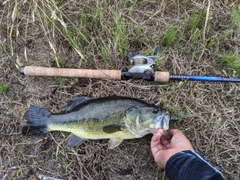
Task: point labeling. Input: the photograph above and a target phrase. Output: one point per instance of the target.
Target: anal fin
(74, 140)
(114, 142)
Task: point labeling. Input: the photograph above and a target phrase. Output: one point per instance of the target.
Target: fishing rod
(142, 67)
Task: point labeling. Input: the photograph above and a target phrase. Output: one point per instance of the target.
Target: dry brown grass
(30, 35)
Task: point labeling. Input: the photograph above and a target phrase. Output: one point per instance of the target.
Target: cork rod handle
(65, 72)
(161, 76)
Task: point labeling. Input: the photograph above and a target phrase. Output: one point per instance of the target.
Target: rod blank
(204, 78)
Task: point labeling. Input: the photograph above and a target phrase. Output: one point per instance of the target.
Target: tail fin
(36, 121)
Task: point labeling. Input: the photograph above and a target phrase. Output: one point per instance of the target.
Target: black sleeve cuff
(188, 165)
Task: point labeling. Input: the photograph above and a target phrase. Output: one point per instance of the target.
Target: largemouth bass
(114, 118)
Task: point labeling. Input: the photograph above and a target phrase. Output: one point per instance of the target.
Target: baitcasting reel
(142, 66)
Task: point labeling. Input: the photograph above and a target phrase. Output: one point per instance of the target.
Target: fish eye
(155, 111)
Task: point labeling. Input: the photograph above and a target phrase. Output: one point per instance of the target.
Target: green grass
(2, 51)
(63, 162)
(98, 30)
(234, 16)
(139, 32)
(56, 59)
(235, 23)
(231, 61)
(45, 17)
(208, 125)
(195, 26)
(195, 21)
(119, 34)
(170, 36)
(194, 39)
(3, 88)
(218, 38)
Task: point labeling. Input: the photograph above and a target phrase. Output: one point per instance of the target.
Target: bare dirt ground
(209, 113)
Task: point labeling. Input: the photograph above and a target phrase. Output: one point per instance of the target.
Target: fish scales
(90, 125)
(90, 128)
(114, 118)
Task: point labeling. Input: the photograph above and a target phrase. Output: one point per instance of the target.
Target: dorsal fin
(76, 101)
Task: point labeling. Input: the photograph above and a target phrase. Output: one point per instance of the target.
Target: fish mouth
(162, 121)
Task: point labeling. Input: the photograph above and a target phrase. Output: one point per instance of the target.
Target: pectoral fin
(112, 128)
(74, 140)
(114, 142)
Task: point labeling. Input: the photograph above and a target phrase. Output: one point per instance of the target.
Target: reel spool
(142, 66)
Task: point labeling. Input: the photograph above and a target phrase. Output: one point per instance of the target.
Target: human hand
(163, 149)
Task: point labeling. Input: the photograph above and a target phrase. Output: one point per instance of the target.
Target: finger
(156, 145)
(174, 131)
(177, 135)
(156, 137)
(179, 140)
(165, 142)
